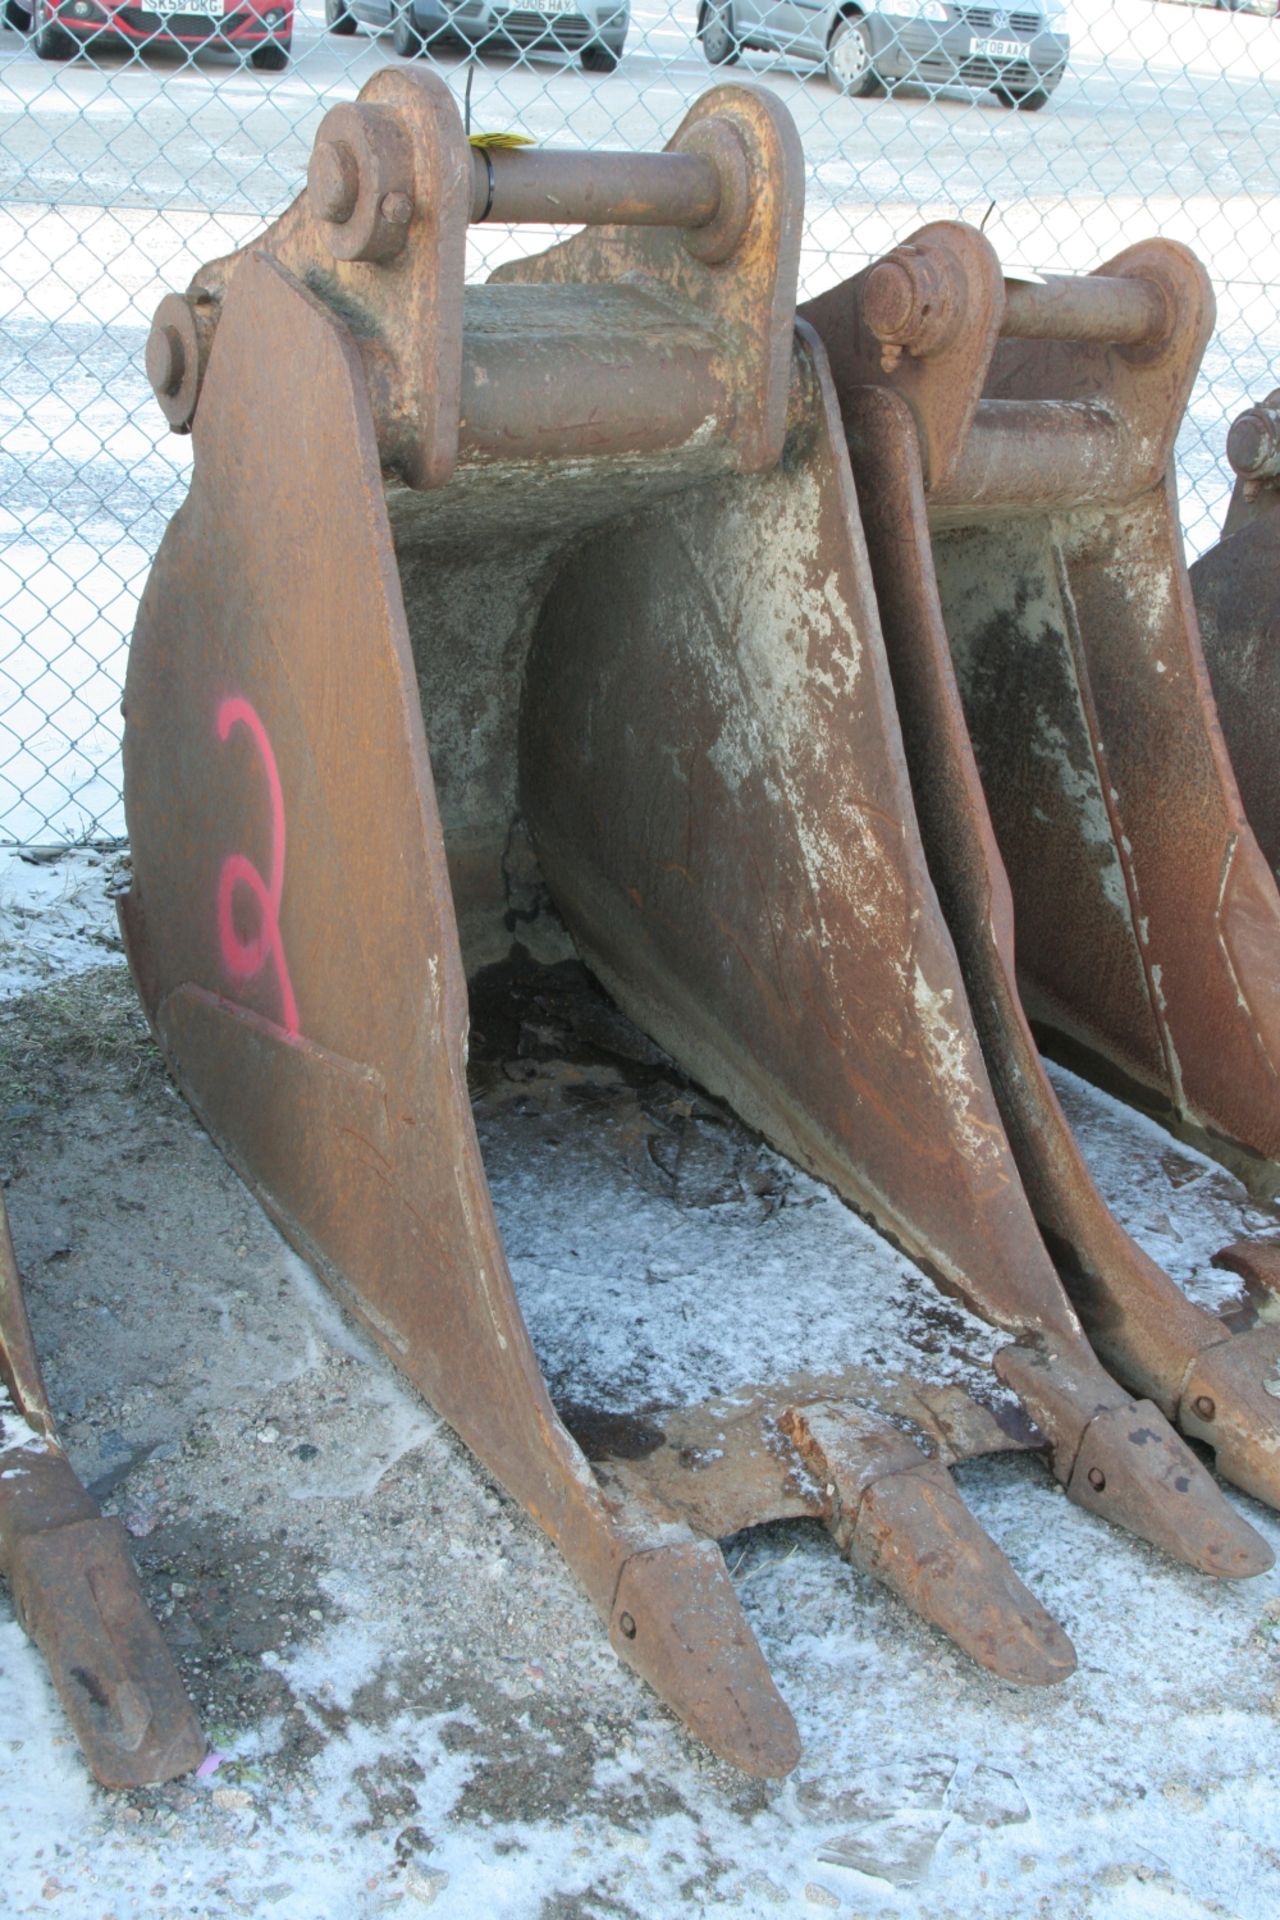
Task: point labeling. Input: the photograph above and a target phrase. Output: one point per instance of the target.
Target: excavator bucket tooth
(1132, 1468)
(869, 1457)
(1236, 587)
(678, 1622)
(1258, 1264)
(555, 588)
(1227, 1403)
(897, 1514)
(73, 1585)
(1011, 447)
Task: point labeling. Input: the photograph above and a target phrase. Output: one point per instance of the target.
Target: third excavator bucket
(1236, 588)
(571, 562)
(1011, 442)
(1236, 585)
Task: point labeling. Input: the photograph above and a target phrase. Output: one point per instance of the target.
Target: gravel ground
(409, 1701)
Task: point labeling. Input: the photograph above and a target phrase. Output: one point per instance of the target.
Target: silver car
(1019, 52)
(593, 29)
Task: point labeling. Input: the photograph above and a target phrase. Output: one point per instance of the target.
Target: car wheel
(715, 30)
(50, 41)
(273, 58)
(600, 59)
(336, 17)
(17, 17)
(405, 37)
(849, 64)
(1030, 102)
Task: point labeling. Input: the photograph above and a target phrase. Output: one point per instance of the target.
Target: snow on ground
(410, 1704)
(57, 914)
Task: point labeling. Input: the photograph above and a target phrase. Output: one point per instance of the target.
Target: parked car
(260, 31)
(1268, 7)
(595, 30)
(1020, 53)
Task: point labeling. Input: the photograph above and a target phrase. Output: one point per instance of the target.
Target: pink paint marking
(244, 959)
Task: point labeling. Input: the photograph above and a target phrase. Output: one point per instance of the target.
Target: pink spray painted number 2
(245, 959)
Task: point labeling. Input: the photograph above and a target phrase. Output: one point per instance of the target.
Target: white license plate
(548, 6)
(999, 49)
(175, 6)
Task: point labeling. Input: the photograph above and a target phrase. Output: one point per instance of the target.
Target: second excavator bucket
(1236, 585)
(73, 1584)
(1012, 443)
(1046, 414)
(557, 586)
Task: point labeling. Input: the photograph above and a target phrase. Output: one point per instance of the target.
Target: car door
(802, 26)
(771, 23)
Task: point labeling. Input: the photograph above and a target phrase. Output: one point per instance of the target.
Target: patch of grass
(90, 1022)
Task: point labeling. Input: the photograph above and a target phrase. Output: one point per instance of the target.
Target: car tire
(1029, 102)
(337, 19)
(715, 30)
(272, 58)
(51, 41)
(17, 17)
(597, 58)
(850, 67)
(405, 37)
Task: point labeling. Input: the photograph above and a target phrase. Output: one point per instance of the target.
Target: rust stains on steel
(1012, 446)
(580, 550)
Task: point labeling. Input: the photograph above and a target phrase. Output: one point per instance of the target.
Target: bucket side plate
(290, 921)
(716, 785)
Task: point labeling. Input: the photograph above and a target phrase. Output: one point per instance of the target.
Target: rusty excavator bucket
(73, 1585)
(562, 576)
(1236, 586)
(1011, 443)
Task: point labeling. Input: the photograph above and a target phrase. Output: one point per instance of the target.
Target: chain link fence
(1069, 131)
